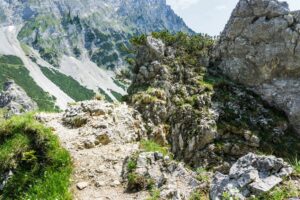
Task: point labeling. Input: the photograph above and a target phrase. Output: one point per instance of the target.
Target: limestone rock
(15, 100)
(156, 45)
(171, 178)
(250, 175)
(260, 48)
(100, 123)
(208, 120)
(82, 185)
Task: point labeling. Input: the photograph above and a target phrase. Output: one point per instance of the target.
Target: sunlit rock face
(260, 48)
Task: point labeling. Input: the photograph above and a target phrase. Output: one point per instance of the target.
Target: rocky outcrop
(162, 104)
(172, 179)
(15, 100)
(260, 48)
(250, 175)
(208, 120)
(100, 123)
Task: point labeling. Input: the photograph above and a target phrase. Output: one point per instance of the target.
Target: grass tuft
(296, 165)
(151, 146)
(41, 167)
(280, 193)
(154, 194)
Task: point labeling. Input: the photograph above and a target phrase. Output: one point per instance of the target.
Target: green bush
(139, 40)
(41, 167)
(199, 195)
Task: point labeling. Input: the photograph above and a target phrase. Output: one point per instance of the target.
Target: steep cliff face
(260, 48)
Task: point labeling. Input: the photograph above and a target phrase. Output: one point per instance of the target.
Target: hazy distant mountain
(79, 38)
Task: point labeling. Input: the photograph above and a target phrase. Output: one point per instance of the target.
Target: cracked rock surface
(260, 48)
(250, 175)
(172, 179)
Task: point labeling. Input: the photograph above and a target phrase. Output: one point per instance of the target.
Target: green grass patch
(280, 193)
(154, 194)
(202, 175)
(296, 165)
(131, 165)
(10, 60)
(3, 112)
(41, 167)
(67, 84)
(117, 95)
(205, 84)
(151, 146)
(11, 67)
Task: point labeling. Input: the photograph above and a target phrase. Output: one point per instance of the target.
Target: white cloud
(181, 4)
(221, 7)
(294, 4)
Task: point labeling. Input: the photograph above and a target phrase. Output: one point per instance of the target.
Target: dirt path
(98, 169)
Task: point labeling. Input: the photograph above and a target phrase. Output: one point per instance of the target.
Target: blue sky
(210, 16)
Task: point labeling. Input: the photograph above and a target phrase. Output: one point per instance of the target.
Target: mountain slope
(12, 47)
(81, 38)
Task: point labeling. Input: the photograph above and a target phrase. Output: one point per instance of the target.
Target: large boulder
(15, 100)
(250, 175)
(260, 48)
